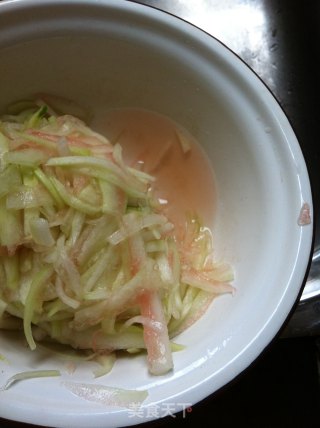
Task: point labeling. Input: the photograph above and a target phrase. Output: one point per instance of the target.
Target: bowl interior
(121, 54)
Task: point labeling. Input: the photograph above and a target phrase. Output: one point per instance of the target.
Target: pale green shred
(83, 240)
(106, 363)
(29, 375)
(3, 358)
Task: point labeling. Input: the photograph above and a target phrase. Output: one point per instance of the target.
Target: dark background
(281, 389)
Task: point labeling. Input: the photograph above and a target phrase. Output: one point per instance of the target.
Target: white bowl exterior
(120, 54)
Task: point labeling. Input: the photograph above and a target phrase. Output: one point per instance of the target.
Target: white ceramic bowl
(116, 54)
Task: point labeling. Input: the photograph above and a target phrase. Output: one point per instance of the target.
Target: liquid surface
(150, 142)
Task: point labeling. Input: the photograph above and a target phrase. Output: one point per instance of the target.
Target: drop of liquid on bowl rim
(184, 181)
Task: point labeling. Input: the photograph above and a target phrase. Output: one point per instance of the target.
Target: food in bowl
(92, 255)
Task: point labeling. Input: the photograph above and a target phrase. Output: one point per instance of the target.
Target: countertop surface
(280, 41)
